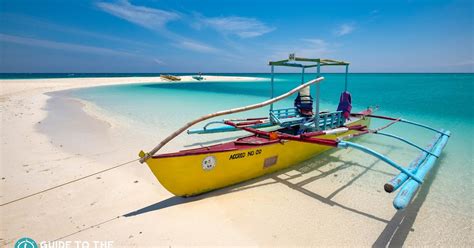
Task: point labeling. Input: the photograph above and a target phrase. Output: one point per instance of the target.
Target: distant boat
(199, 78)
(170, 77)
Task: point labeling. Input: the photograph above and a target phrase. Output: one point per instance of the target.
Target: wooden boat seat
(290, 120)
(290, 116)
(286, 117)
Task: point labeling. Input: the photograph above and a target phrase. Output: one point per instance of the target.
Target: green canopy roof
(293, 62)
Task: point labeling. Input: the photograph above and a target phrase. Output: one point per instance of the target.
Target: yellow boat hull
(195, 174)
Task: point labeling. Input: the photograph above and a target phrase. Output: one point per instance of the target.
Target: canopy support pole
(302, 75)
(316, 112)
(347, 72)
(271, 93)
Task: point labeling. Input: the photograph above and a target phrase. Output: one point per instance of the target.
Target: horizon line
(462, 72)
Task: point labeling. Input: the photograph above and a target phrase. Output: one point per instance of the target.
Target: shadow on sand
(395, 232)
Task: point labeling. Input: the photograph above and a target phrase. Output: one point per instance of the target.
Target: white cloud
(150, 18)
(241, 26)
(22, 20)
(374, 12)
(307, 48)
(61, 45)
(315, 48)
(344, 29)
(158, 61)
(156, 20)
(373, 15)
(464, 63)
(197, 47)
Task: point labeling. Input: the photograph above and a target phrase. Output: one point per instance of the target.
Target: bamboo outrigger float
(285, 138)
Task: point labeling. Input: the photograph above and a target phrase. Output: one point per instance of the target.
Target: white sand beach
(326, 203)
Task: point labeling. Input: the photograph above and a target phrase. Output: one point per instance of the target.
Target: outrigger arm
(406, 141)
(346, 144)
(411, 177)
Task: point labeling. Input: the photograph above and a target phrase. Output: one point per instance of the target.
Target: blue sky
(233, 36)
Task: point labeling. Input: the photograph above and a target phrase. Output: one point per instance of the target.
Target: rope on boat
(66, 183)
(148, 155)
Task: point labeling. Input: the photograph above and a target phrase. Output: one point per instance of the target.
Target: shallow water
(439, 100)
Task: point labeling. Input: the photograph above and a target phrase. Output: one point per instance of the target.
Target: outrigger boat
(285, 138)
(198, 77)
(170, 77)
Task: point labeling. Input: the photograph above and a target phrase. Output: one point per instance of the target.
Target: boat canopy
(307, 62)
(304, 63)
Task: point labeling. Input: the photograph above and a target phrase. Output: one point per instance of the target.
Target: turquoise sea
(439, 100)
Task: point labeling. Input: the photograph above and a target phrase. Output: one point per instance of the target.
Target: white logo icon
(208, 163)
